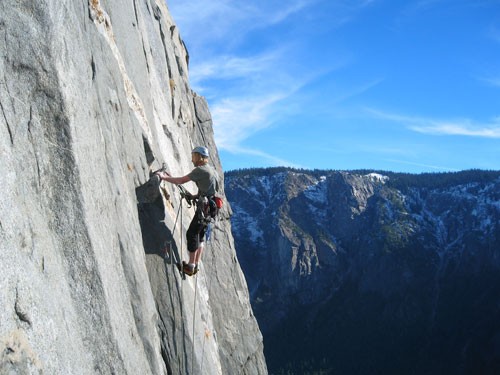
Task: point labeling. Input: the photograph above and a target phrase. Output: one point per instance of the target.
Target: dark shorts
(195, 234)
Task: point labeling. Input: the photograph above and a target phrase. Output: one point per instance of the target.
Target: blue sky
(404, 86)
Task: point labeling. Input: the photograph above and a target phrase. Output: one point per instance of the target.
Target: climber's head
(199, 155)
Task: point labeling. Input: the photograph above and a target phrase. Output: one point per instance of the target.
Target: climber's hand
(162, 174)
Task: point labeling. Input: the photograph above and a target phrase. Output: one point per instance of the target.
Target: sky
(392, 85)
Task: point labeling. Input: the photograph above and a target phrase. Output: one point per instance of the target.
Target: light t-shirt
(206, 179)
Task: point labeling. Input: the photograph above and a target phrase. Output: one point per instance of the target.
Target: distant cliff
(94, 95)
(372, 273)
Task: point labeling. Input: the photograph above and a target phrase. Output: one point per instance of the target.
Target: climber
(206, 180)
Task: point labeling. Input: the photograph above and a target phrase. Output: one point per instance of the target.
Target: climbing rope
(209, 240)
(172, 256)
(194, 319)
(189, 199)
(208, 281)
(170, 248)
(194, 302)
(180, 234)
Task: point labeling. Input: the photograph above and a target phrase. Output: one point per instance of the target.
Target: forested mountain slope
(381, 273)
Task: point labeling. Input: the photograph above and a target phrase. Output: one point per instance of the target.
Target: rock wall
(94, 95)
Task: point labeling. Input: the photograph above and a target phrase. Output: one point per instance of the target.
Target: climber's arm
(174, 180)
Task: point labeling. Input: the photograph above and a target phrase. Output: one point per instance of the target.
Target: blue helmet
(203, 151)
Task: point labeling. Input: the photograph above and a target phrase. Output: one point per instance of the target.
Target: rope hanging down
(190, 201)
(208, 282)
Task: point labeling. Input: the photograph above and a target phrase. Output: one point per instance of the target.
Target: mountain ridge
(348, 247)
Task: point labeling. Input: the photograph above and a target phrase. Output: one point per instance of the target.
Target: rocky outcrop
(357, 273)
(94, 95)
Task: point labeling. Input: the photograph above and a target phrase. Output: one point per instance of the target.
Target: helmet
(203, 151)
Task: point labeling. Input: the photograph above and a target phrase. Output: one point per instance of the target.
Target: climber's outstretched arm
(174, 180)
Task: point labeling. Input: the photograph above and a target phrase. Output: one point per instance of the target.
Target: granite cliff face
(357, 273)
(94, 95)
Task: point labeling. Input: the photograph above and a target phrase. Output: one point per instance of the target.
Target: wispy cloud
(494, 33)
(359, 90)
(270, 159)
(230, 67)
(491, 81)
(258, 103)
(288, 10)
(225, 20)
(429, 5)
(491, 74)
(464, 129)
(421, 165)
(237, 118)
(417, 7)
(426, 4)
(231, 127)
(423, 125)
(252, 88)
(213, 17)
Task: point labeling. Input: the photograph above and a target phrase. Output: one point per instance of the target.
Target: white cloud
(237, 119)
(270, 159)
(427, 166)
(465, 129)
(250, 89)
(202, 21)
(358, 90)
(258, 92)
(210, 16)
(227, 67)
(425, 4)
(443, 127)
(492, 81)
(282, 14)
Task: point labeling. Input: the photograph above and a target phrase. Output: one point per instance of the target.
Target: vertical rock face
(93, 96)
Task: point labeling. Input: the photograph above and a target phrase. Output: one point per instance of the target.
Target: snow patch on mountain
(243, 222)
(318, 197)
(268, 188)
(318, 192)
(377, 177)
(266, 185)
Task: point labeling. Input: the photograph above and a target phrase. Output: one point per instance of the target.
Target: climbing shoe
(188, 269)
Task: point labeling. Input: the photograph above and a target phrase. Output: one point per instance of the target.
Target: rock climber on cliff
(206, 179)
